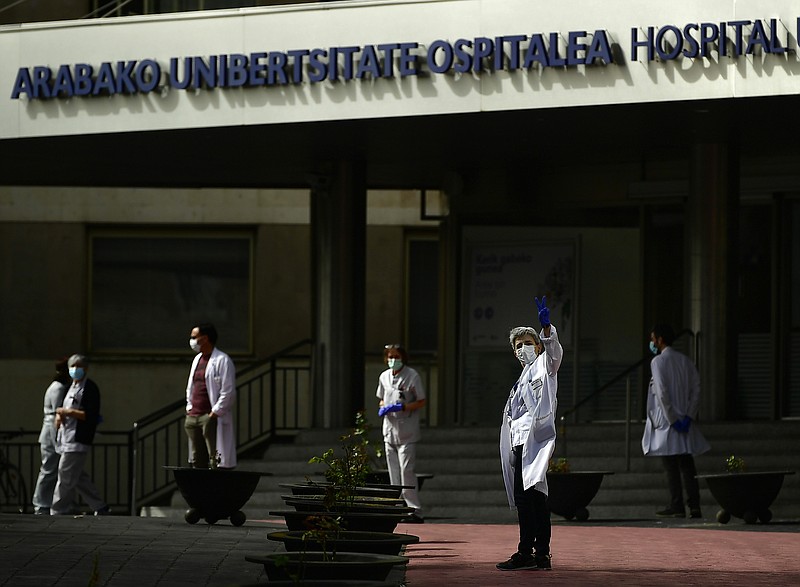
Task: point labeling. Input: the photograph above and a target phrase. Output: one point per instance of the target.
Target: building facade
(367, 172)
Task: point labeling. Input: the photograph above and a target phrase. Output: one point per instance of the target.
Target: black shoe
(518, 562)
(542, 562)
(671, 513)
(413, 519)
(103, 511)
(696, 513)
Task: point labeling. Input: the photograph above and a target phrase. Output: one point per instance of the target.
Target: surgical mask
(653, 348)
(395, 364)
(527, 353)
(194, 344)
(77, 373)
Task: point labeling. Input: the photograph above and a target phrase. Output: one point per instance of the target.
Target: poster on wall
(505, 278)
(502, 280)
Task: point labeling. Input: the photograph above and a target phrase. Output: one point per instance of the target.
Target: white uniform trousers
(72, 477)
(400, 459)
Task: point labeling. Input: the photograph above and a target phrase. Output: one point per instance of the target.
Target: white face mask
(194, 345)
(395, 364)
(527, 353)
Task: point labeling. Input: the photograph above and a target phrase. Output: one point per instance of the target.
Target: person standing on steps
(671, 431)
(401, 395)
(528, 439)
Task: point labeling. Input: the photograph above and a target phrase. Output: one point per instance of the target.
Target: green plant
(734, 464)
(350, 469)
(560, 465)
(320, 529)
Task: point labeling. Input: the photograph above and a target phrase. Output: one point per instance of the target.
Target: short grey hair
(521, 331)
(75, 359)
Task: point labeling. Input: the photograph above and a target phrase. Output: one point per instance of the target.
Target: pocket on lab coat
(544, 428)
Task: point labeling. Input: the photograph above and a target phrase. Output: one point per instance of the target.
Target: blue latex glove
(682, 425)
(392, 408)
(544, 312)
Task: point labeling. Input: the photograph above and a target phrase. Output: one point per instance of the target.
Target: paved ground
(649, 554)
(121, 551)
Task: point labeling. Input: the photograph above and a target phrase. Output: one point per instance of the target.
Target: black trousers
(532, 512)
(677, 466)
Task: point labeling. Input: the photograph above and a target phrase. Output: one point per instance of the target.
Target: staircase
(467, 486)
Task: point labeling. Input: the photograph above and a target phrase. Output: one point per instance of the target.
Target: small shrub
(560, 465)
(734, 464)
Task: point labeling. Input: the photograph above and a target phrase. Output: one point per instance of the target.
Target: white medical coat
(674, 392)
(537, 386)
(221, 385)
(405, 387)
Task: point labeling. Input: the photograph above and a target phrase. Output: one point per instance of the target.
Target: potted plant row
(340, 528)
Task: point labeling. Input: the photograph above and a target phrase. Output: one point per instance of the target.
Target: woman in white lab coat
(527, 439)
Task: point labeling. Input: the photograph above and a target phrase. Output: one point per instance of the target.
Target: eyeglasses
(392, 346)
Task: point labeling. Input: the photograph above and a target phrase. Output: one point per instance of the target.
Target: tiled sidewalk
(123, 551)
(656, 555)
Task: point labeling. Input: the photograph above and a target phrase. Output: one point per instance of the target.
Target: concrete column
(338, 227)
(712, 222)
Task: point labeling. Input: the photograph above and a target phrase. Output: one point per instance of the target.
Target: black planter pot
(215, 494)
(570, 493)
(391, 491)
(346, 541)
(357, 504)
(381, 477)
(322, 583)
(360, 521)
(311, 565)
(745, 495)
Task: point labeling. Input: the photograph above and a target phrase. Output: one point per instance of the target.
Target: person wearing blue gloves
(401, 394)
(671, 430)
(528, 439)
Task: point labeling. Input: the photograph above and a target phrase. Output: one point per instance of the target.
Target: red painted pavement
(466, 554)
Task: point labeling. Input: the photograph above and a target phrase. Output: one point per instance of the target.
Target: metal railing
(272, 396)
(625, 375)
(128, 467)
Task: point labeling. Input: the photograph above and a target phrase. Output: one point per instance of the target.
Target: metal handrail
(268, 401)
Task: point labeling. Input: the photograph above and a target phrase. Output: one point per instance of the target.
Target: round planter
(360, 521)
(215, 494)
(381, 477)
(311, 565)
(392, 491)
(346, 541)
(745, 495)
(321, 583)
(570, 493)
(357, 504)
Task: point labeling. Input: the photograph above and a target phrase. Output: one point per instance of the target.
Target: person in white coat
(401, 395)
(210, 398)
(48, 471)
(671, 432)
(528, 439)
